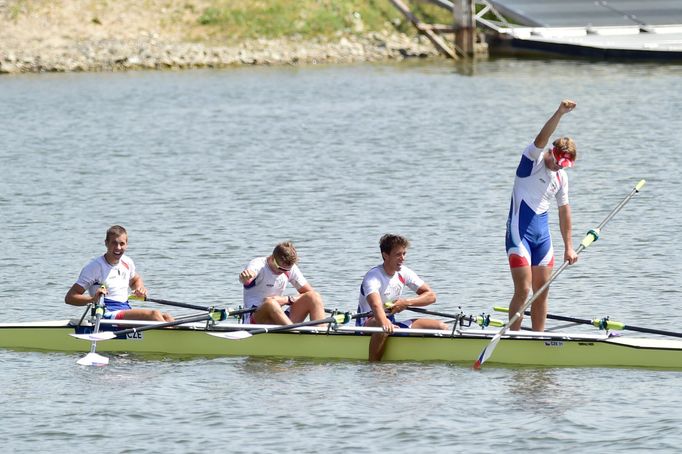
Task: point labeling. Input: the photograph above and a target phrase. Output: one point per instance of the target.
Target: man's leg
(522, 278)
(307, 304)
(271, 313)
(538, 311)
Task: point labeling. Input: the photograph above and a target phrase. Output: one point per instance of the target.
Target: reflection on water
(538, 390)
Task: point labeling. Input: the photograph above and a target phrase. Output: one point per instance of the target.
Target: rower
(265, 279)
(540, 177)
(384, 284)
(112, 275)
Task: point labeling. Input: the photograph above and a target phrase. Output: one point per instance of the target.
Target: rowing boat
(516, 348)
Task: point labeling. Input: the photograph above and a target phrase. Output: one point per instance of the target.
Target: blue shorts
(113, 310)
(400, 324)
(528, 240)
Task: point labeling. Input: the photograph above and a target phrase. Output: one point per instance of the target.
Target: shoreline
(148, 51)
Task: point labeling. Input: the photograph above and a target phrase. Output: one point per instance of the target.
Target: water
(207, 169)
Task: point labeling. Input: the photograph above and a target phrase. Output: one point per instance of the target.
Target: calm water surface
(208, 169)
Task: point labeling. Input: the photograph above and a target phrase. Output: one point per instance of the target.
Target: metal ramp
(605, 30)
(581, 13)
(643, 30)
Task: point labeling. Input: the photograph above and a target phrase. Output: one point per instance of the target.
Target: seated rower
(384, 284)
(264, 280)
(112, 275)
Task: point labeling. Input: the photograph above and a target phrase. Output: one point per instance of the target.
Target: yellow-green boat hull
(567, 350)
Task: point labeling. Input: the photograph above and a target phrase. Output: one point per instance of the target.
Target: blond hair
(285, 253)
(566, 145)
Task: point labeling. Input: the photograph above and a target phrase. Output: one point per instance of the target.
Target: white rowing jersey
(389, 288)
(535, 184)
(116, 278)
(266, 283)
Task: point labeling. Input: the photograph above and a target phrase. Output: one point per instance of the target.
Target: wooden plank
(440, 28)
(437, 41)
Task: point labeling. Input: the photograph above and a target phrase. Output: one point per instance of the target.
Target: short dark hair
(114, 231)
(390, 241)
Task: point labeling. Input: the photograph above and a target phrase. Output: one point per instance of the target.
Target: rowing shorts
(528, 240)
(113, 315)
(114, 309)
(400, 324)
(249, 318)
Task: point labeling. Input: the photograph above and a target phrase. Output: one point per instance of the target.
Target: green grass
(234, 20)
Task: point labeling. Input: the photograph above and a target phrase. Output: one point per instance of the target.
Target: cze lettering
(134, 336)
(554, 344)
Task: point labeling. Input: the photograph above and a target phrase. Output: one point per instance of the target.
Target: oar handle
(170, 303)
(237, 312)
(100, 307)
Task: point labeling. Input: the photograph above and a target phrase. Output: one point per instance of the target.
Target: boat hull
(523, 349)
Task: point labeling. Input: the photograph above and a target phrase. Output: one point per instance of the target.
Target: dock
(640, 30)
(648, 30)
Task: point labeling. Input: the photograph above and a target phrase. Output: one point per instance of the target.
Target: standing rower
(540, 176)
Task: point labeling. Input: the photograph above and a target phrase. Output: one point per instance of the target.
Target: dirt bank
(100, 35)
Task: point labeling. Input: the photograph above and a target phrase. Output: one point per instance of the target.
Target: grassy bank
(214, 21)
(245, 19)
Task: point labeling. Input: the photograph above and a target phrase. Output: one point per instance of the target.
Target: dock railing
(460, 38)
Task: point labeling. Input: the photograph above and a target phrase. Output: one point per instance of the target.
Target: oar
(108, 335)
(243, 334)
(481, 320)
(602, 323)
(592, 236)
(93, 358)
(171, 303)
(230, 312)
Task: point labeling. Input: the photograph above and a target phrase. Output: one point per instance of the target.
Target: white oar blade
(487, 352)
(232, 335)
(101, 336)
(93, 359)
